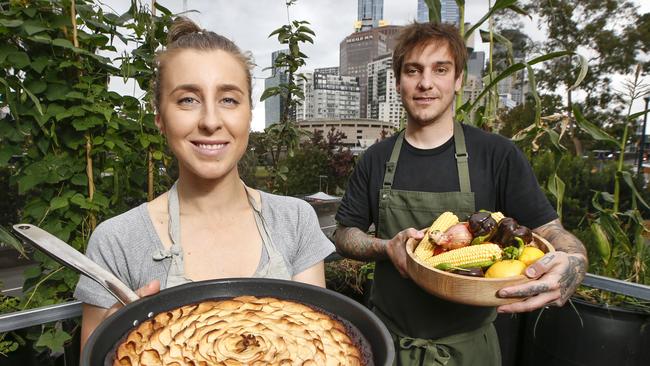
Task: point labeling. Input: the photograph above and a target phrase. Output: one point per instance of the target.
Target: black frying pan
(101, 344)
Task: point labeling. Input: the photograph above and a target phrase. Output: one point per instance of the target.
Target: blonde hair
(185, 34)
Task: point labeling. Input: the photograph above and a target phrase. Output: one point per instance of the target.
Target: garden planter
(608, 336)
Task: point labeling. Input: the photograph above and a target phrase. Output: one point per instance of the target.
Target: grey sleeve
(104, 249)
(313, 245)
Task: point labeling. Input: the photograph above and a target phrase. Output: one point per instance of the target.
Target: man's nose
(426, 80)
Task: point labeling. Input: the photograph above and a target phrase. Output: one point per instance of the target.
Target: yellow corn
(497, 216)
(446, 220)
(466, 257)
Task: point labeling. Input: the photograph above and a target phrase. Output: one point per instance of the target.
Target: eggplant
(482, 226)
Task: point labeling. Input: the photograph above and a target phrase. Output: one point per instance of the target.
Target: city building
(472, 88)
(274, 105)
(360, 48)
(369, 14)
(449, 12)
(476, 63)
(423, 12)
(328, 95)
(359, 133)
(384, 102)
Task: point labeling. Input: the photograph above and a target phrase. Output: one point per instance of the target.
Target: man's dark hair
(418, 35)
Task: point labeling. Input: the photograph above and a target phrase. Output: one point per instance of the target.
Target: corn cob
(446, 220)
(480, 255)
(497, 216)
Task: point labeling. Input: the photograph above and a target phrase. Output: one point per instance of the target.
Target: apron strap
(392, 163)
(461, 159)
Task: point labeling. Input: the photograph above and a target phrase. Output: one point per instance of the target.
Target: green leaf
(58, 202)
(32, 27)
(498, 5)
(36, 86)
(32, 272)
(39, 64)
(627, 177)
(584, 66)
(53, 339)
(556, 187)
(269, 92)
(603, 246)
(18, 60)
(634, 116)
(435, 10)
(157, 155)
(11, 23)
(8, 240)
(62, 42)
(592, 129)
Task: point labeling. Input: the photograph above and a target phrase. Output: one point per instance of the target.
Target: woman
(209, 224)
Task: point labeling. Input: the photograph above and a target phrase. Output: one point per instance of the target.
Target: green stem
(619, 167)
(38, 284)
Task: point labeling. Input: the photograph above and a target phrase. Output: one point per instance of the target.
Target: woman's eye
(187, 100)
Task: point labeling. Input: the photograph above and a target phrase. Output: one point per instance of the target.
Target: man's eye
(230, 101)
(411, 71)
(441, 70)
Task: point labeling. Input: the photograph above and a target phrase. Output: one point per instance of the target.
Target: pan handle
(71, 258)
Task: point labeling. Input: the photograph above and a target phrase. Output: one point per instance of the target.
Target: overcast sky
(249, 22)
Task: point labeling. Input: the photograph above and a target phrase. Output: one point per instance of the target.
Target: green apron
(399, 209)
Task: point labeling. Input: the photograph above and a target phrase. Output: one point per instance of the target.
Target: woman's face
(205, 111)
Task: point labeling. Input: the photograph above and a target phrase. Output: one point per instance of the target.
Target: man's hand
(396, 248)
(556, 276)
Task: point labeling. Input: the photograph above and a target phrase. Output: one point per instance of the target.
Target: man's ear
(459, 82)
(159, 123)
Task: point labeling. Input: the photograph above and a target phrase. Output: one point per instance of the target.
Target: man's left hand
(555, 278)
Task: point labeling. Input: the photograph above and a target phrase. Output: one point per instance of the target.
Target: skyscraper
(328, 95)
(369, 13)
(449, 12)
(273, 106)
(423, 12)
(360, 48)
(384, 102)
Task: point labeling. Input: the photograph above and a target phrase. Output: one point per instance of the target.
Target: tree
(588, 27)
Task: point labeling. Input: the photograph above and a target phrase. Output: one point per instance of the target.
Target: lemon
(506, 268)
(530, 255)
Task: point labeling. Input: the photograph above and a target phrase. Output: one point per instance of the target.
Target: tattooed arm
(352, 242)
(556, 275)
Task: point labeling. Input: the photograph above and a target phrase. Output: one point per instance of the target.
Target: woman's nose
(210, 118)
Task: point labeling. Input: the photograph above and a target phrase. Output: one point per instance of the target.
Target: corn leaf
(498, 5)
(627, 178)
(556, 187)
(593, 130)
(634, 116)
(435, 10)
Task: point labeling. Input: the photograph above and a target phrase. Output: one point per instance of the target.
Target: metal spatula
(71, 258)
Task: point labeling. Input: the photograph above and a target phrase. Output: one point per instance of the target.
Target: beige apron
(275, 267)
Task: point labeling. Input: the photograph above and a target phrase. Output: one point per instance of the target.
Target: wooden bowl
(465, 289)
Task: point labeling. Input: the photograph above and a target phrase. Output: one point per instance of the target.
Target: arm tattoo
(353, 243)
(560, 238)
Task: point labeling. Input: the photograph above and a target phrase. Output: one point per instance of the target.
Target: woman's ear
(159, 123)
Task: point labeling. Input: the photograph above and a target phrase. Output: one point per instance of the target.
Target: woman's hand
(396, 248)
(92, 315)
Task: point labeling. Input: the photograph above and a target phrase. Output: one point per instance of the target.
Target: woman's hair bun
(181, 27)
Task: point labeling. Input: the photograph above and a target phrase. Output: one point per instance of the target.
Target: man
(402, 183)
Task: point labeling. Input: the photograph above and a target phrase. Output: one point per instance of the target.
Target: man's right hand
(396, 248)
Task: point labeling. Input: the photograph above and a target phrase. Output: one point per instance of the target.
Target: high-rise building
(449, 12)
(274, 105)
(423, 12)
(384, 102)
(369, 14)
(328, 95)
(360, 48)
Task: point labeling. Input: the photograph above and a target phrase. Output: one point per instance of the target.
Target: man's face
(428, 84)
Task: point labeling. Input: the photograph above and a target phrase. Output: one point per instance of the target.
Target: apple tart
(245, 330)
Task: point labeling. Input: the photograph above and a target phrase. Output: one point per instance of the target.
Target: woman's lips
(210, 148)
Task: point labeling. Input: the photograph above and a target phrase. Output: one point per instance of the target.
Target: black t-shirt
(501, 179)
